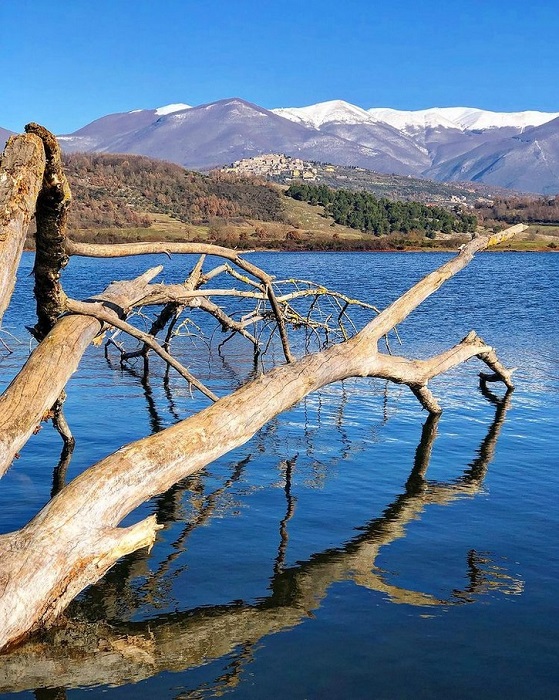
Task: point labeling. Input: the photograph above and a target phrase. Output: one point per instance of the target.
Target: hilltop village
(283, 169)
(274, 166)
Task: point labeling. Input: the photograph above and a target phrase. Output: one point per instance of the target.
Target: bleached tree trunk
(87, 654)
(78, 533)
(40, 382)
(21, 176)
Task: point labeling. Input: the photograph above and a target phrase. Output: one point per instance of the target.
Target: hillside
(283, 169)
(119, 191)
(119, 198)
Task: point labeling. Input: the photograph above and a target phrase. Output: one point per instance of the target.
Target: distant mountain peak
(463, 118)
(325, 112)
(512, 149)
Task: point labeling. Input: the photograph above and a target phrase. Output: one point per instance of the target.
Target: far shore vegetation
(125, 198)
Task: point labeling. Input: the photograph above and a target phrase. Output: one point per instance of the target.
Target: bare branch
(404, 305)
(106, 315)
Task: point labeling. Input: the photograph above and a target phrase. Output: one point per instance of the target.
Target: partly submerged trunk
(78, 533)
(40, 382)
(86, 654)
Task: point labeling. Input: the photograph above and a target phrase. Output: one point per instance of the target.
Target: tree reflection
(86, 653)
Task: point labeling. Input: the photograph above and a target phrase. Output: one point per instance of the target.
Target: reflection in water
(155, 420)
(289, 512)
(59, 473)
(92, 653)
(50, 694)
(115, 597)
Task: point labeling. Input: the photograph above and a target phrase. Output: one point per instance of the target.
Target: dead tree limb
(168, 312)
(21, 176)
(100, 311)
(126, 249)
(96, 653)
(404, 305)
(79, 527)
(40, 382)
(51, 215)
(78, 531)
(50, 258)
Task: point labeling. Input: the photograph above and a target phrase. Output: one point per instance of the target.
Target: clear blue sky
(64, 63)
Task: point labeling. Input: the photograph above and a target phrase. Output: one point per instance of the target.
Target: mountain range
(518, 150)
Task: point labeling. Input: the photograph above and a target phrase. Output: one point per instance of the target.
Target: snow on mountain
(471, 118)
(445, 143)
(324, 112)
(463, 118)
(412, 120)
(169, 109)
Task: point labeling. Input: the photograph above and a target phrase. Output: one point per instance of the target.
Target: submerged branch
(78, 532)
(95, 653)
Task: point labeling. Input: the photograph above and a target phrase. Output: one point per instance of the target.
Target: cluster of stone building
(274, 165)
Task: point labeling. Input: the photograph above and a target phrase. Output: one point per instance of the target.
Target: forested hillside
(537, 210)
(123, 198)
(119, 191)
(370, 214)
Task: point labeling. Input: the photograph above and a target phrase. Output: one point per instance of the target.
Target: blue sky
(66, 62)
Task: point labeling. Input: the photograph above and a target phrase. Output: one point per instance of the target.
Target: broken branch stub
(21, 175)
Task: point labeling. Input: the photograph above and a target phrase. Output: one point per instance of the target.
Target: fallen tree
(82, 653)
(78, 531)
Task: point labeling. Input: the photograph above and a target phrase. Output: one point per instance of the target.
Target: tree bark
(78, 531)
(45, 374)
(51, 214)
(21, 176)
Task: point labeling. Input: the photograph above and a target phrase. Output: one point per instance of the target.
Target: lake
(352, 548)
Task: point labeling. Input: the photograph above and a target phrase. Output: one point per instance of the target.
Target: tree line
(513, 210)
(370, 214)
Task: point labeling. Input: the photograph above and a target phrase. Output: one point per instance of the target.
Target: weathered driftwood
(78, 533)
(79, 654)
(21, 176)
(45, 374)
(121, 250)
(51, 215)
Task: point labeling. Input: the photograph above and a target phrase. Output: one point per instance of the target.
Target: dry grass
(307, 227)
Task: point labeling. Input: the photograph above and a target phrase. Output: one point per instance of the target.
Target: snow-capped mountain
(325, 112)
(171, 109)
(463, 118)
(518, 150)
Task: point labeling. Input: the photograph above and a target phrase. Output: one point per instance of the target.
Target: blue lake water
(351, 549)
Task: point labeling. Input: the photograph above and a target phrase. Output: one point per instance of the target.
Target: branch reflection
(94, 653)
